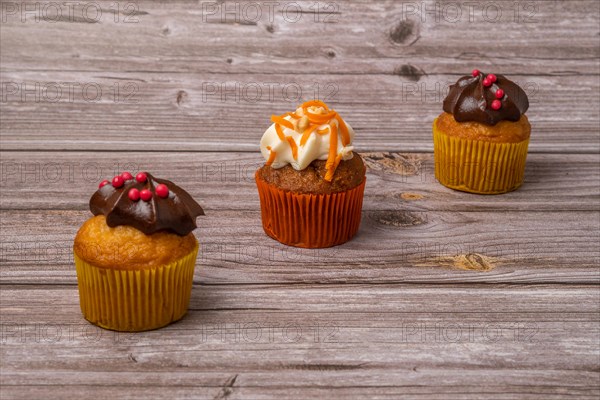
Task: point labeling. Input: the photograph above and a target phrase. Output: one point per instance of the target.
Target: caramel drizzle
(315, 120)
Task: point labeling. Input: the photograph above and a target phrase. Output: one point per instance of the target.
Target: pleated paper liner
(310, 220)
(135, 300)
(477, 166)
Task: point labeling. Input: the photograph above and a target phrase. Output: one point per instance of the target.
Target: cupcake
(135, 258)
(480, 141)
(311, 186)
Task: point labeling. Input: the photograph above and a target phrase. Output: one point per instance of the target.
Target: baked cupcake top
(146, 203)
(312, 132)
(487, 99)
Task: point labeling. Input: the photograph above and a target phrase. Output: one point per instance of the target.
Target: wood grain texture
(209, 112)
(441, 294)
(391, 246)
(225, 181)
(351, 338)
(360, 37)
(197, 70)
(303, 393)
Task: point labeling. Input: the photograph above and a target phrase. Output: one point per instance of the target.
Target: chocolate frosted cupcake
(481, 140)
(311, 187)
(135, 258)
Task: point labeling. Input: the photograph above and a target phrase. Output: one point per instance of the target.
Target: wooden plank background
(442, 294)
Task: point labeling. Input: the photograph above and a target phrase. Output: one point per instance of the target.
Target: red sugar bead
(146, 195)
(475, 73)
(133, 194)
(103, 183)
(487, 82)
(496, 105)
(162, 190)
(492, 78)
(141, 177)
(126, 175)
(118, 181)
(499, 93)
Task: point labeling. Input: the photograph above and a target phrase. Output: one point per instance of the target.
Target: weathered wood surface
(441, 294)
(435, 227)
(191, 112)
(360, 37)
(382, 64)
(391, 246)
(225, 181)
(495, 343)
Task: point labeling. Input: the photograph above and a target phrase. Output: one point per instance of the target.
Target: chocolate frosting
(470, 100)
(176, 213)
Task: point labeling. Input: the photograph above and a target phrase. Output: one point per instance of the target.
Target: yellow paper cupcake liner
(478, 166)
(135, 300)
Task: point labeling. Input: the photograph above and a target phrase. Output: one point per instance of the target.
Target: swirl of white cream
(316, 147)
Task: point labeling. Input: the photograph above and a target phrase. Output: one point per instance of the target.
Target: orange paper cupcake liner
(310, 220)
(478, 166)
(135, 300)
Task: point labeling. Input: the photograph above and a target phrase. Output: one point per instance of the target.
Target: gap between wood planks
(321, 284)
(254, 151)
(332, 73)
